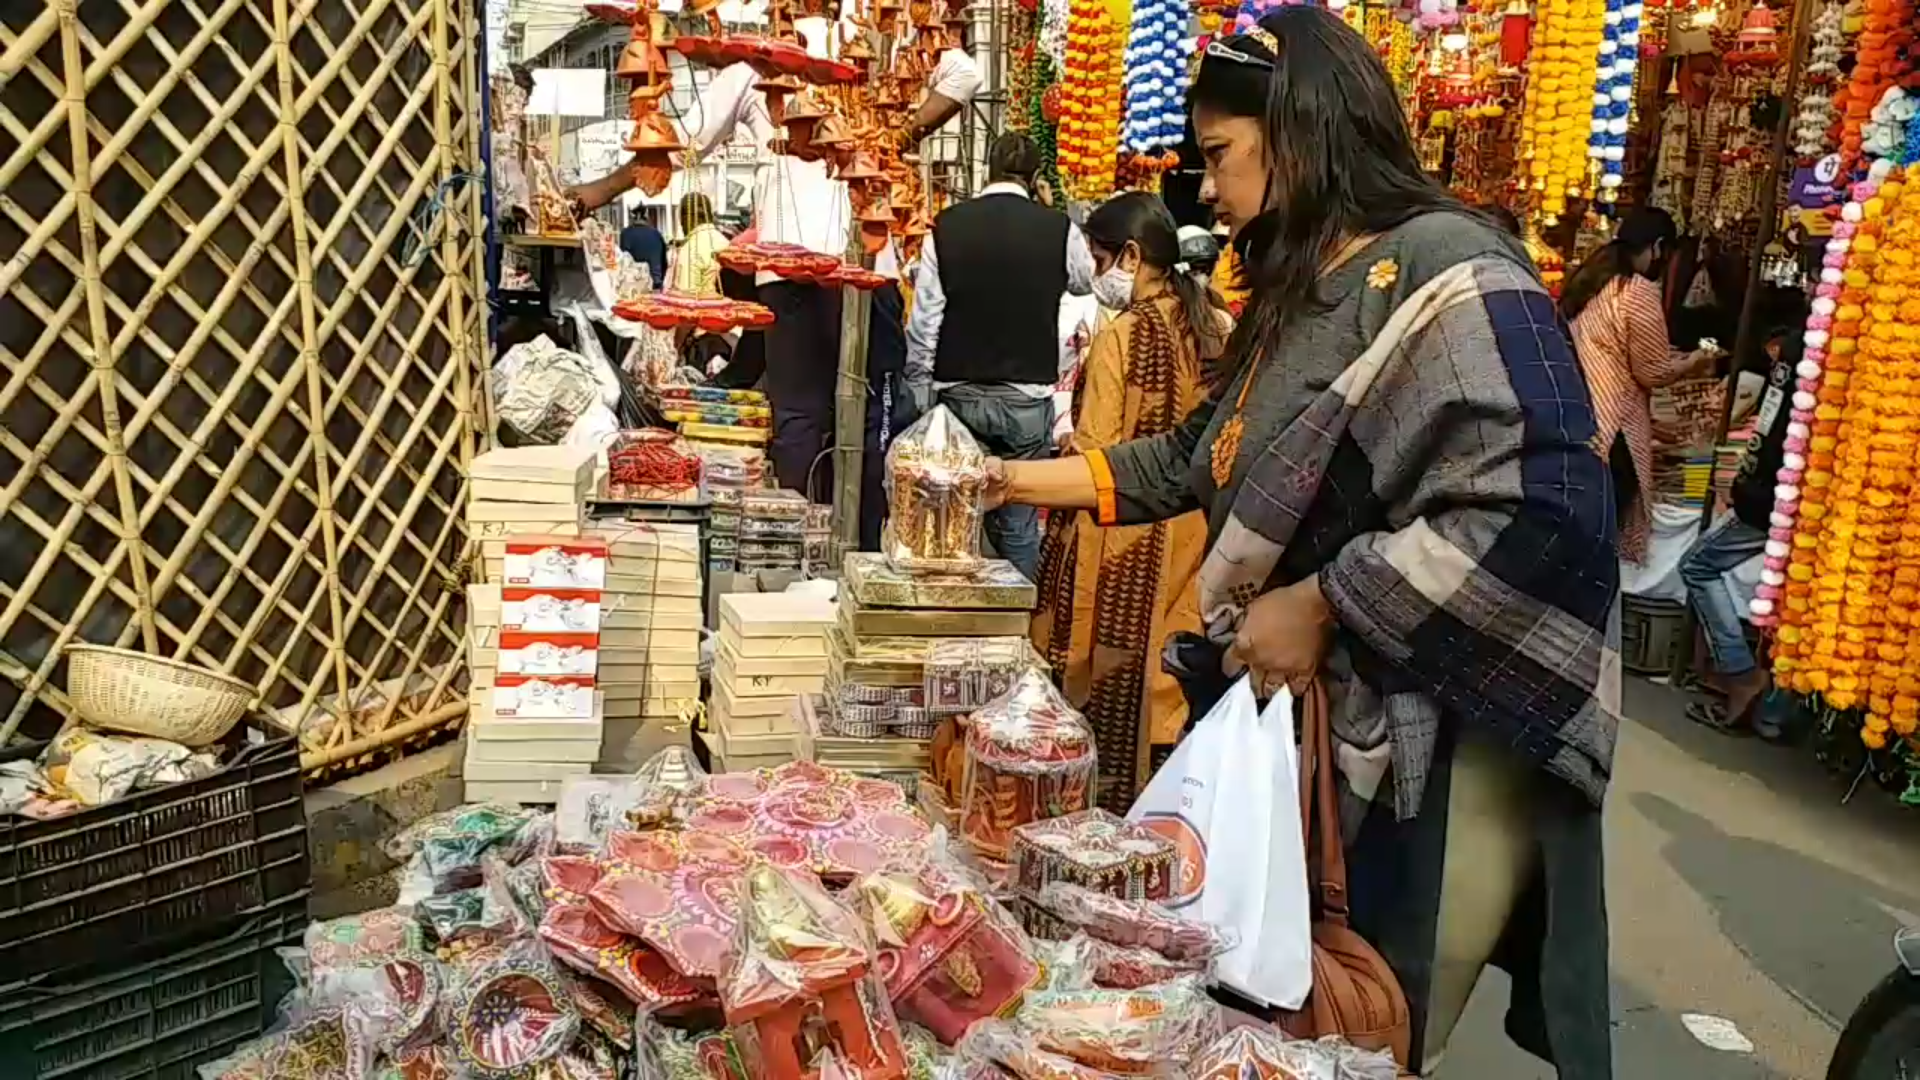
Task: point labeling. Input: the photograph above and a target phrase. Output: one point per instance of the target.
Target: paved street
(1739, 887)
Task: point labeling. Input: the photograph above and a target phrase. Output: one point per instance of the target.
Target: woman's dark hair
(1341, 162)
(1503, 217)
(1642, 229)
(1144, 219)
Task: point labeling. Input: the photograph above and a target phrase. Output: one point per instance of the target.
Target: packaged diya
(936, 481)
(1151, 1031)
(1095, 850)
(1029, 757)
(1133, 923)
(510, 1013)
(949, 955)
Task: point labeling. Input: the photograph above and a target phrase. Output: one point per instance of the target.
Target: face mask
(1114, 289)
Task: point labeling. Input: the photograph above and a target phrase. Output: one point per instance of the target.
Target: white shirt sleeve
(955, 77)
(923, 325)
(1080, 272)
(710, 123)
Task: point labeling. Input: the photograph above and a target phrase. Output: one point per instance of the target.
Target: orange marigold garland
(1879, 62)
(1090, 99)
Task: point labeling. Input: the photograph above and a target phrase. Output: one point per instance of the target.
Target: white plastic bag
(1229, 800)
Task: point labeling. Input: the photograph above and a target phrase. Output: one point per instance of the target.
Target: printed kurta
(1110, 596)
(1621, 339)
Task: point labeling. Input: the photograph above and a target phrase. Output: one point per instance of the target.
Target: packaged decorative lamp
(1029, 757)
(936, 481)
(801, 972)
(949, 955)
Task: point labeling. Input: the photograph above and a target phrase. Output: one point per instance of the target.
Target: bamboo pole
(309, 345)
(311, 760)
(450, 220)
(101, 351)
(850, 398)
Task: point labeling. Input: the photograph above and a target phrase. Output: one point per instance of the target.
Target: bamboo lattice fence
(241, 349)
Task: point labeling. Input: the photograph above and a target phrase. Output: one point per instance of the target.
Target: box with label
(486, 724)
(506, 519)
(558, 696)
(1094, 850)
(522, 653)
(751, 715)
(554, 562)
(744, 686)
(549, 610)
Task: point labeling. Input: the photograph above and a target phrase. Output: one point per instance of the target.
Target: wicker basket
(131, 691)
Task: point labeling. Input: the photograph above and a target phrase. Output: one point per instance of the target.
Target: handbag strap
(1320, 806)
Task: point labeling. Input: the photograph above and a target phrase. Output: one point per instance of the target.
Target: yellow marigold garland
(1557, 117)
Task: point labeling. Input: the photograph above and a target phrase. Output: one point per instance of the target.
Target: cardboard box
(775, 615)
(750, 666)
(545, 696)
(564, 466)
(554, 562)
(764, 685)
(485, 724)
(517, 751)
(554, 771)
(535, 792)
(547, 610)
(523, 653)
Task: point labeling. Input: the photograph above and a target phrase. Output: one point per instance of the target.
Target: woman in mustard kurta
(1110, 596)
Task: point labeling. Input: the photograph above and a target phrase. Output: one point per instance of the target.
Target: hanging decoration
(1156, 90)
(1619, 59)
(1554, 126)
(1814, 117)
(1091, 94)
(653, 141)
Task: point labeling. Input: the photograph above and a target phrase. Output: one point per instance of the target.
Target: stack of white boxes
(529, 490)
(541, 718)
(649, 637)
(773, 647)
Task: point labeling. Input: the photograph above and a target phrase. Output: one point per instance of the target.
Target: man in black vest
(984, 335)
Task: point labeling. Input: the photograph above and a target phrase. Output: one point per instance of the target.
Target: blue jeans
(1013, 425)
(1726, 545)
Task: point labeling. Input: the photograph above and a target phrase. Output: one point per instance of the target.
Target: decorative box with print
(523, 653)
(554, 562)
(948, 957)
(1095, 850)
(1029, 757)
(549, 611)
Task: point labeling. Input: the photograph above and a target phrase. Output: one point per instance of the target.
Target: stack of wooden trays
(772, 650)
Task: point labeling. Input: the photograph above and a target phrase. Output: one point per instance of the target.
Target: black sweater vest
(1003, 268)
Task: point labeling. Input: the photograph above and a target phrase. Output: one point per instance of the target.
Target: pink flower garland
(1812, 368)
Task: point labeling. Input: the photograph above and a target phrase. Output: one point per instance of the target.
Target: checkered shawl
(1462, 530)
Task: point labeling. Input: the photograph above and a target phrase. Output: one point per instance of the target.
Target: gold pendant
(1226, 447)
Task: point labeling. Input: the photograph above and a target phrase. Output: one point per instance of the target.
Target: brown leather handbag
(1355, 994)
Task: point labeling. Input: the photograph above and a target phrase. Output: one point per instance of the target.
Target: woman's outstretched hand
(998, 488)
(1284, 638)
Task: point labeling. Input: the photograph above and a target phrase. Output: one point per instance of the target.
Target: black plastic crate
(155, 867)
(152, 1017)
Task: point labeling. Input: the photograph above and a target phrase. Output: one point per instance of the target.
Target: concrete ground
(1739, 888)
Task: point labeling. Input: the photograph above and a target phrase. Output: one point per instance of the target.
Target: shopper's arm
(1135, 483)
(1080, 272)
(955, 80)
(1655, 362)
(923, 324)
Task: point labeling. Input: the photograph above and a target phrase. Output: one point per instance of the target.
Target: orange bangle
(1105, 511)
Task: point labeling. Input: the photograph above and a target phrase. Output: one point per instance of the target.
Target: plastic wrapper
(508, 1011)
(1096, 850)
(936, 482)
(1029, 756)
(93, 768)
(1260, 1053)
(1135, 923)
(590, 807)
(668, 1054)
(540, 390)
(800, 962)
(335, 1043)
(1151, 1031)
(948, 953)
(444, 850)
(1016, 1052)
